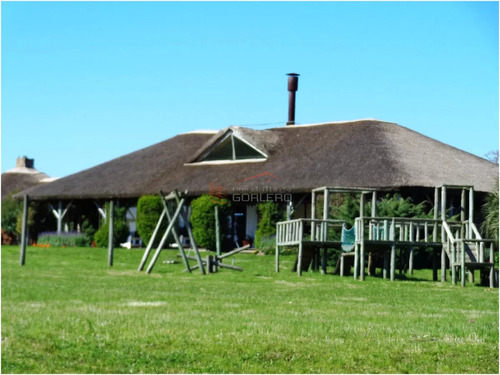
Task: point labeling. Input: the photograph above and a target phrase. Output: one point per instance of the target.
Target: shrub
(120, 228)
(490, 211)
(269, 215)
(149, 209)
(71, 239)
(203, 220)
(10, 211)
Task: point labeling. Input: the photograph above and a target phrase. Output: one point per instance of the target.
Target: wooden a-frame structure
(179, 201)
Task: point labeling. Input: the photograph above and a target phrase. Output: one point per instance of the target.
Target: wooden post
(385, 270)
(217, 230)
(410, 261)
(436, 210)
(150, 243)
(24, 230)
(59, 217)
(462, 263)
(299, 255)
(313, 212)
(443, 264)
(191, 236)
(452, 262)
(356, 260)
(165, 235)
(393, 262)
(326, 204)
(462, 205)
(443, 211)
(278, 239)
(434, 265)
(362, 238)
(111, 233)
(174, 233)
(324, 259)
(492, 268)
(471, 206)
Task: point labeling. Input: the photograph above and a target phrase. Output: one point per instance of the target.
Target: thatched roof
(19, 179)
(364, 153)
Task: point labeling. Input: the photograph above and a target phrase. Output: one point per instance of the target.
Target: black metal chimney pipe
(293, 85)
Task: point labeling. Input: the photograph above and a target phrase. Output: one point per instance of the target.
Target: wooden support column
(393, 262)
(443, 264)
(111, 233)
(356, 261)
(217, 230)
(452, 263)
(462, 263)
(60, 213)
(165, 235)
(471, 206)
(362, 238)
(326, 204)
(24, 230)
(299, 255)
(324, 259)
(385, 270)
(174, 233)
(410, 261)
(434, 265)
(492, 268)
(152, 239)
(436, 213)
(313, 212)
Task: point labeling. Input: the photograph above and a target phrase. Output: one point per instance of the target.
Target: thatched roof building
(22, 177)
(363, 153)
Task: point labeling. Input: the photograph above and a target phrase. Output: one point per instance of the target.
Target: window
(232, 148)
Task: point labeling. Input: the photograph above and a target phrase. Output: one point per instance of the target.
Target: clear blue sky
(83, 83)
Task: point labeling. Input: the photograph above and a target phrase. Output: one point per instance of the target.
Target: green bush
(11, 209)
(149, 209)
(269, 215)
(70, 239)
(490, 225)
(120, 228)
(203, 220)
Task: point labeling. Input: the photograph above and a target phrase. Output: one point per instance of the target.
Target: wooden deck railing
(291, 232)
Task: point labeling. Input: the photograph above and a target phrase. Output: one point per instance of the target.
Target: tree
(269, 215)
(120, 227)
(149, 209)
(10, 212)
(490, 225)
(203, 220)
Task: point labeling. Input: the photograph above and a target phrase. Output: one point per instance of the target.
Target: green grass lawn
(67, 312)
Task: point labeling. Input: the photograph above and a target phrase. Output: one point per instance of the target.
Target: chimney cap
(293, 74)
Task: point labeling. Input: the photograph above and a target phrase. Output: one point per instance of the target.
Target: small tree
(149, 209)
(396, 206)
(120, 227)
(490, 225)
(269, 215)
(10, 212)
(203, 220)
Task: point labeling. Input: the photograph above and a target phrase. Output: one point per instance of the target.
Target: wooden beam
(24, 230)
(111, 233)
(232, 252)
(393, 262)
(151, 240)
(443, 264)
(184, 216)
(217, 230)
(174, 232)
(165, 235)
(410, 261)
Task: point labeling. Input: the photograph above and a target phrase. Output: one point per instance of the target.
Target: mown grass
(66, 312)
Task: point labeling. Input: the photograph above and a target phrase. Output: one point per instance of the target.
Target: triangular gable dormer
(231, 147)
